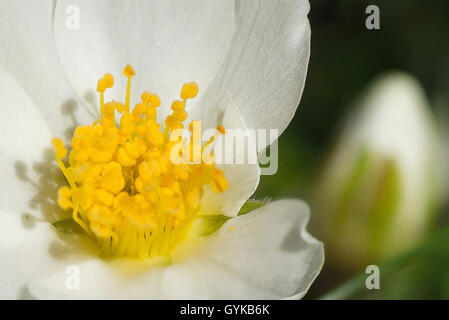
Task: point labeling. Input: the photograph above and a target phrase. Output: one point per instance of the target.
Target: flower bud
(377, 192)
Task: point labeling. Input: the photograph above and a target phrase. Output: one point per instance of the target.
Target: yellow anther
(141, 129)
(154, 136)
(127, 124)
(79, 172)
(120, 107)
(124, 159)
(125, 191)
(180, 115)
(221, 129)
(151, 98)
(127, 119)
(140, 144)
(64, 198)
(155, 101)
(145, 97)
(83, 197)
(121, 200)
(113, 180)
(140, 108)
(170, 122)
(167, 192)
(131, 149)
(58, 147)
(98, 129)
(177, 105)
(108, 80)
(80, 155)
(97, 155)
(149, 169)
(144, 170)
(104, 197)
(189, 90)
(194, 197)
(128, 71)
(101, 85)
(100, 213)
(140, 185)
(151, 113)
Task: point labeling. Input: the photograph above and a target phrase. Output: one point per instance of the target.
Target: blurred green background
(345, 58)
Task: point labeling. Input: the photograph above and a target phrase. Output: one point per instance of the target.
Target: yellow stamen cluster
(124, 190)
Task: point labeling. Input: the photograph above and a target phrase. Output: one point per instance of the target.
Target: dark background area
(345, 57)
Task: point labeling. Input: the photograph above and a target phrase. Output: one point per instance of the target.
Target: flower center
(124, 189)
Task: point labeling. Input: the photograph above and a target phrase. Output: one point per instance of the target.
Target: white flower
(248, 57)
(379, 186)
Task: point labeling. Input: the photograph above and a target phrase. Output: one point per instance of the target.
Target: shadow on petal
(45, 177)
(25, 294)
(293, 241)
(90, 97)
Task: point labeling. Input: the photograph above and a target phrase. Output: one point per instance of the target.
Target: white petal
(243, 177)
(168, 43)
(29, 249)
(24, 136)
(28, 246)
(266, 66)
(266, 254)
(270, 249)
(28, 53)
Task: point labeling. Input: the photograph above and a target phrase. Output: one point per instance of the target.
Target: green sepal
(68, 226)
(206, 225)
(251, 205)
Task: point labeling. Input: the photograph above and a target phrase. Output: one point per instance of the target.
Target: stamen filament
(78, 220)
(128, 72)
